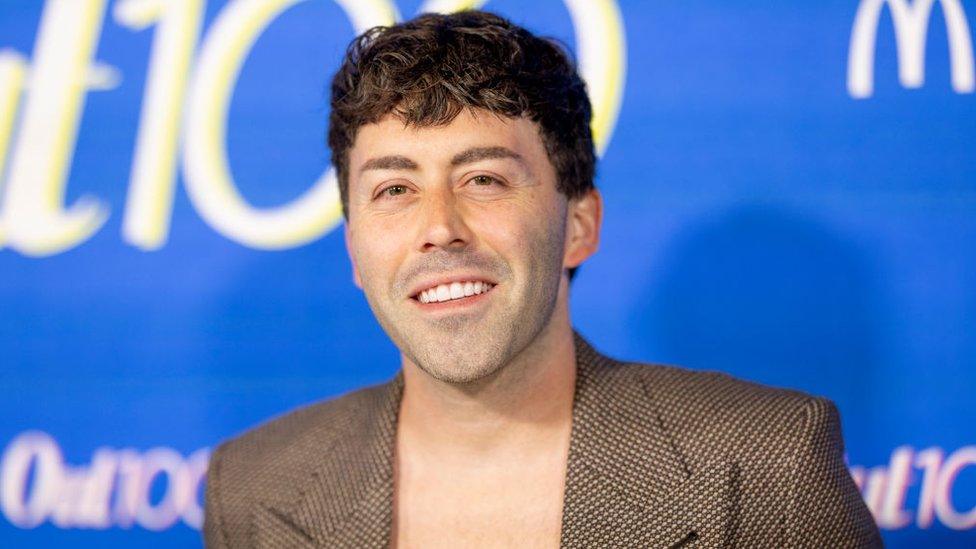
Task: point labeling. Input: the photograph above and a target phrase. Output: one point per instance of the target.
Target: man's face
(438, 214)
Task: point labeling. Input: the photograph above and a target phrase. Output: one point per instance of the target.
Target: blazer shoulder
(704, 403)
(679, 382)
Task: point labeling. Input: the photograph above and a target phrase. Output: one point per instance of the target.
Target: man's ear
(583, 219)
(352, 260)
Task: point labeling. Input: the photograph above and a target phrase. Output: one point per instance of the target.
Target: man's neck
(525, 406)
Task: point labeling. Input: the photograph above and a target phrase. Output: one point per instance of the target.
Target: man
(465, 165)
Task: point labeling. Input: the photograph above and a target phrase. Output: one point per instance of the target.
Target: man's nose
(443, 224)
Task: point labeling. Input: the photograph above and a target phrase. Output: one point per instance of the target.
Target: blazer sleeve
(214, 536)
(825, 507)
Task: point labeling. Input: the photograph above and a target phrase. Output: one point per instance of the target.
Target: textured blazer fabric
(659, 456)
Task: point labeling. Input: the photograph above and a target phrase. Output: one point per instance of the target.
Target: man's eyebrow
(392, 162)
(475, 154)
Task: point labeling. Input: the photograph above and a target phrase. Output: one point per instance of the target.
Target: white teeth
(454, 290)
(457, 290)
(443, 292)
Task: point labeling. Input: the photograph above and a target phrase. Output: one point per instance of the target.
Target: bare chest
(507, 506)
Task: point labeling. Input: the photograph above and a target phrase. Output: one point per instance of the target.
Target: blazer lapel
(272, 528)
(627, 484)
(347, 500)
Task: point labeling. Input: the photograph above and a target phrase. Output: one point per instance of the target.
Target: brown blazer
(659, 457)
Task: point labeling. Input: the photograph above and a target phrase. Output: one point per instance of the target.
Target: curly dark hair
(428, 69)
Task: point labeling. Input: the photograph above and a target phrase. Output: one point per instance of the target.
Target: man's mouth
(453, 291)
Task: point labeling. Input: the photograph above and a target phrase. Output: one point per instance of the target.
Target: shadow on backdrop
(772, 297)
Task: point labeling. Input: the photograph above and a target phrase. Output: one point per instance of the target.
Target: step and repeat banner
(790, 197)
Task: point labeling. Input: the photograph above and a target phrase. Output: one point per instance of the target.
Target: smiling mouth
(453, 291)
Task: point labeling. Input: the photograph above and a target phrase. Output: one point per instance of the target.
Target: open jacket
(659, 456)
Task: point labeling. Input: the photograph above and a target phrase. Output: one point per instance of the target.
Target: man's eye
(394, 190)
(483, 180)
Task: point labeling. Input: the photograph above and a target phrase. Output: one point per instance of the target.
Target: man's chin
(460, 376)
(463, 363)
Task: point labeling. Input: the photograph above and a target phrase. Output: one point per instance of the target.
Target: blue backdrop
(790, 197)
